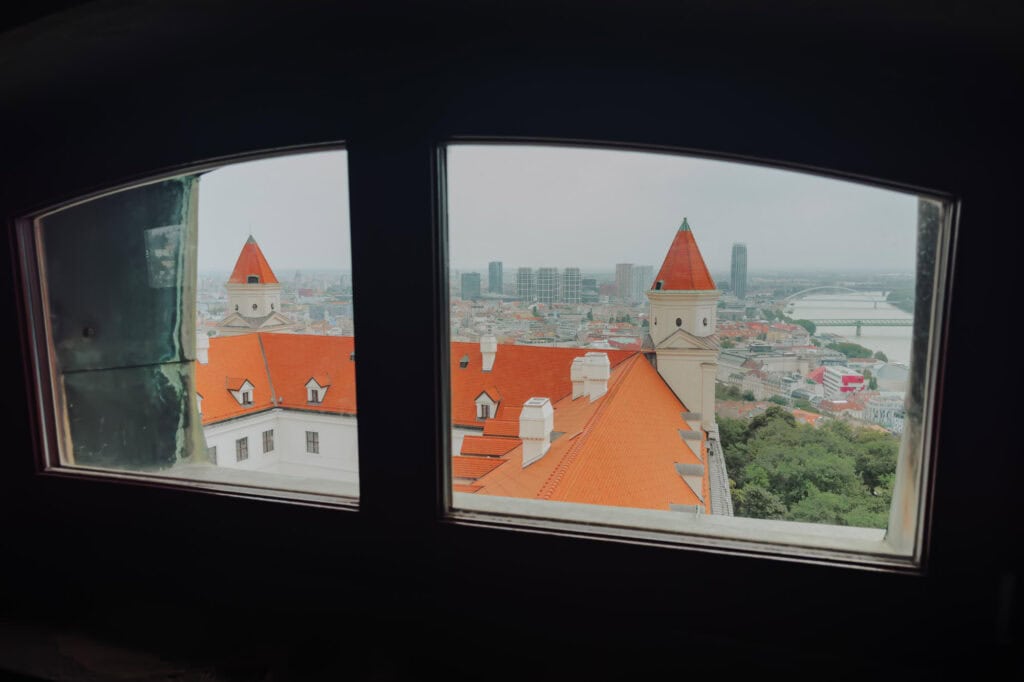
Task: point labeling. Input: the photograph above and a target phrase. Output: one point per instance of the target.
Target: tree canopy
(835, 473)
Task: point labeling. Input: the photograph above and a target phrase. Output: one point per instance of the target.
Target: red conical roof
(251, 262)
(684, 268)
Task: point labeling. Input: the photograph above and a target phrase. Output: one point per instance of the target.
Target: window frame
(242, 449)
(911, 545)
(268, 438)
(45, 398)
(312, 441)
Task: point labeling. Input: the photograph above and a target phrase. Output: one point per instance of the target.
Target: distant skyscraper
(643, 278)
(526, 285)
(623, 280)
(589, 290)
(470, 286)
(738, 280)
(495, 277)
(571, 285)
(547, 285)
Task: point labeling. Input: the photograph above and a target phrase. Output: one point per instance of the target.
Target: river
(893, 341)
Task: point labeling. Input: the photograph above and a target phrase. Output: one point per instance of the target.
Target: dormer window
(487, 403)
(252, 279)
(316, 389)
(241, 390)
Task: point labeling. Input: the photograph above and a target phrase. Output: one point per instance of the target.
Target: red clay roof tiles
(251, 262)
(684, 268)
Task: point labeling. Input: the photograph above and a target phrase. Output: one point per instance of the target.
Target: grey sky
(562, 206)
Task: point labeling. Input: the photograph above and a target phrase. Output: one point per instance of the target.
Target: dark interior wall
(107, 91)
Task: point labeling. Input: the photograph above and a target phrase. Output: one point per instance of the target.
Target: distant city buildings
(495, 277)
(839, 381)
(470, 286)
(738, 279)
(623, 280)
(526, 285)
(642, 279)
(572, 282)
(547, 285)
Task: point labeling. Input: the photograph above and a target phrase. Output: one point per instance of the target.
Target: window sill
(818, 543)
(235, 482)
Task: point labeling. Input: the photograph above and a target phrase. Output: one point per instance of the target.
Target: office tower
(623, 280)
(495, 277)
(589, 292)
(526, 285)
(738, 279)
(571, 285)
(470, 286)
(547, 285)
(642, 279)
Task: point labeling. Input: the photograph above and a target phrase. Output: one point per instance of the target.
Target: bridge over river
(858, 323)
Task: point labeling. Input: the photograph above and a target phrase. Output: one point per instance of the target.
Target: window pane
(221, 294)
(669, 342)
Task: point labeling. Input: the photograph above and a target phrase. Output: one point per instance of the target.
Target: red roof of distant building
(818, 375)
(684, 268)
(251, 262)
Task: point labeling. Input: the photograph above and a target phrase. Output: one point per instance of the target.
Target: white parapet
(536, 422)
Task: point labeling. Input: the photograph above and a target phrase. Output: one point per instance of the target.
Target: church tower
(683, 319)
(254, 296)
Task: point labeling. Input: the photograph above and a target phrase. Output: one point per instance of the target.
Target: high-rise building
(589, 292)
(495, 277)
(738, 280)
(572, 289)
(547, 285)
(470, 286)
(623, 280)
(642, 279)
(526, 285)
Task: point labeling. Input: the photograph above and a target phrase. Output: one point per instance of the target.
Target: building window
(689, 453)
(212, 453)
(124, 319)
(314, 395)
(313, 442)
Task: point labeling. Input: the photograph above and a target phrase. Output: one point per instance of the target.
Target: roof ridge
(555, 477)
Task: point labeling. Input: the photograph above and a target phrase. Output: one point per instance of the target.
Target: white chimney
(536, 422)
(577, 374)
(202, 347)
(489, 349)
(597, 369)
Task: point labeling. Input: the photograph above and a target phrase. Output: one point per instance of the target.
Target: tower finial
(685, 227)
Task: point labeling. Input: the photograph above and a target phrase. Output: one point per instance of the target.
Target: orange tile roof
(521, 372)
(484, 445)
(232, 357)
(620, 450)
(502, 427)
(684, 268)
(465, 488)
(251, 261)
(474, 467)
(290, 359)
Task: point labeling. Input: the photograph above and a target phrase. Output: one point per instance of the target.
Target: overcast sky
(562, 206)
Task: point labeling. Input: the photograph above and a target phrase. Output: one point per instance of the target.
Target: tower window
(679, 322)
(255, 306)
(252, 279)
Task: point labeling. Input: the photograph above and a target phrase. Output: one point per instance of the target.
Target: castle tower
(254, 296)
(683, 314)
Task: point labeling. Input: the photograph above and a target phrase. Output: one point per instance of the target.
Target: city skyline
(539, 206)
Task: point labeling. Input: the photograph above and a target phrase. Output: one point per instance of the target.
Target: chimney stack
(489, 349)
(536, 422)
(577, 373)
(597, 369)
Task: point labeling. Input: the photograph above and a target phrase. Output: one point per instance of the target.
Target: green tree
(590, 315)
(808, 325)
(873, 384)
(805, 404)
(851, 350)
(646, 324)
(726, 343)
(534, 311)
(778, 400)
(749, 396)
(756, 502)
(879, 355)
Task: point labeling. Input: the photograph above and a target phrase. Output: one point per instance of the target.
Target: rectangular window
(313, 442)
(241, 449)
(185, 307)
(212, 452)
(314, 396)
(747, 356)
